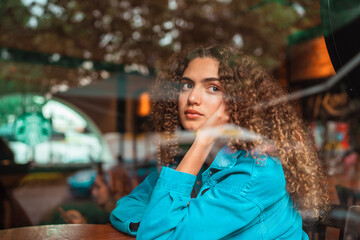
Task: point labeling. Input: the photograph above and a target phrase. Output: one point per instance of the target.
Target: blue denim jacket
(238, 198)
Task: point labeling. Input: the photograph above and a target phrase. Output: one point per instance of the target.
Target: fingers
(64, 215)
(76, 217)
(220, 117)
(213, 127)
(72, 216)
(223, 115)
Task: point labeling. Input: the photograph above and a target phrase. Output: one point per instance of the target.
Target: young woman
(250, 189)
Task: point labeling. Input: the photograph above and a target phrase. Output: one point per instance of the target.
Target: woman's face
(201, 92)
(100, 191)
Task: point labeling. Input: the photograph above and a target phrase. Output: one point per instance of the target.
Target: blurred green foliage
(146, 32)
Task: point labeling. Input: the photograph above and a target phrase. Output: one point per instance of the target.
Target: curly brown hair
(248, 92)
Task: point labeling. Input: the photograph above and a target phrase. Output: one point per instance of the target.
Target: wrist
(203, 139)
(195, 156)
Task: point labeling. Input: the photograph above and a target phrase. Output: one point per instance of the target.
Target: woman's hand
(72, 216)
(211, 129)
(204, 141)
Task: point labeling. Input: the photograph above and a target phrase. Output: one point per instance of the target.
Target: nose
(195, 97)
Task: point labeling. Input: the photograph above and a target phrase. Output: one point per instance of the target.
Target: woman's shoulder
(254, 173)
(259, 163)
(253, 164)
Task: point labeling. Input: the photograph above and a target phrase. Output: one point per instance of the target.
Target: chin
(191, 127)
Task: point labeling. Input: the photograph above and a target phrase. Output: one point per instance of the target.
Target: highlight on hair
(248, 88)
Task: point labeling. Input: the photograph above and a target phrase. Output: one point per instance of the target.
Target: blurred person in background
(255, 187)
(6, 154)
(10, 208)
(109, 186)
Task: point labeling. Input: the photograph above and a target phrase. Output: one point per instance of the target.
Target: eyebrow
(211, 79)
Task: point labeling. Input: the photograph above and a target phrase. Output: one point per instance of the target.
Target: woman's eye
(186, 86)
(214, 89)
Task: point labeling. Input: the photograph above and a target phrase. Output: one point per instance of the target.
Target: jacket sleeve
(172, 214)
(130, 209)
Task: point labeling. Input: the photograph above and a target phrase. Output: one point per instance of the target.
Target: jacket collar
(226, 158)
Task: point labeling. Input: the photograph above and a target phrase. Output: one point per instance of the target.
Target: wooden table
(64, 231)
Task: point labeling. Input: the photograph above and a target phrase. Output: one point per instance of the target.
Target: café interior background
(75, 78)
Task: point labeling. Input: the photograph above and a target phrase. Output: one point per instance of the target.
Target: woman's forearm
(195, 157)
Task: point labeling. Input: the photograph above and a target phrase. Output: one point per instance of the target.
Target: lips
(192, 114)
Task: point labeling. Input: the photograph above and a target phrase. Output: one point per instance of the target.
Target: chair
(351, 231)
(347, 196)
(334, 218)
(314, 228)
